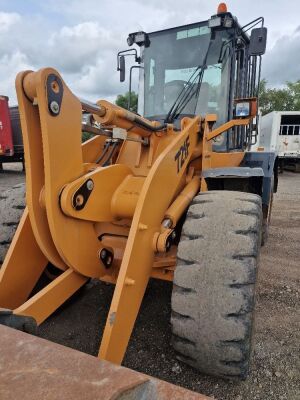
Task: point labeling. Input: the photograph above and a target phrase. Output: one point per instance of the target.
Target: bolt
(55, 86)
(54, 107)
(90, 185)
(79, 200)
(167, 223)
(103, 254)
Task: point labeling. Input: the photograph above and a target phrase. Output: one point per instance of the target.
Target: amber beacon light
(222, 8)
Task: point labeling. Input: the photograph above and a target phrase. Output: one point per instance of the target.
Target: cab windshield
(171, 62)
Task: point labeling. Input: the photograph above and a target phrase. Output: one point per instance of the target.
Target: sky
(80, 38)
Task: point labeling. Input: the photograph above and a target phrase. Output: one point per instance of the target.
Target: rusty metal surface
(33, 369)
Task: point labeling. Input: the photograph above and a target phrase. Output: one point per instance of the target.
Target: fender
(260, 170)
(267, 161)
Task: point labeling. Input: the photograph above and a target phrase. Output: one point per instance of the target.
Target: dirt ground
(275, 370)
(11, 175)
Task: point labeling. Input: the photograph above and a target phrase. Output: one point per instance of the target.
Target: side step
(31, 366)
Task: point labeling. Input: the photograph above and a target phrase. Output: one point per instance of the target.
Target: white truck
(279, 131)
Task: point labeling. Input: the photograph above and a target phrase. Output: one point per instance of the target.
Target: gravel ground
(276, 369)
(11, 175)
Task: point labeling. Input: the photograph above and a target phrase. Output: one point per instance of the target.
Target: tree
(86, 136)
(294, 89)
(279, 99)
(122, 101)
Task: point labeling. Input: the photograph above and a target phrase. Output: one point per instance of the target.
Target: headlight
(246, 107)
(242, 109)
(130, 40)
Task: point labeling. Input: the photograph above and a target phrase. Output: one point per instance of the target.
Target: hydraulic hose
(144, 123)
(114, 146)
(103, 153)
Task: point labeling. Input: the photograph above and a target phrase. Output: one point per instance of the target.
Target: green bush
(86, 136)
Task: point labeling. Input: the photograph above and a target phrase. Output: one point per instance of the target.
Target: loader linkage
(116, 207)
(72, 204)
(60, 232)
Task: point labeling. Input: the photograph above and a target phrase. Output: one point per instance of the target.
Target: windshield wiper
(188, 92)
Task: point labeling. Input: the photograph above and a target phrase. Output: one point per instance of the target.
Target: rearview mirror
(258, 41)
(122, 68)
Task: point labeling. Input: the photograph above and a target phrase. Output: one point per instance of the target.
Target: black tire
(12, 204)
(214, 283)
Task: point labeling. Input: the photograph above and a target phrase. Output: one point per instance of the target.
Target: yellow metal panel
(45, 302)
(233, 159)
(136, 266)
(211, 159)
(22, 267)
(98, 206)
(126, 196)
(75, 240)
(34, 164)
(92, 148)
(141, 158)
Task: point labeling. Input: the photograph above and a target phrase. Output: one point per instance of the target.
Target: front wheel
(213, 294)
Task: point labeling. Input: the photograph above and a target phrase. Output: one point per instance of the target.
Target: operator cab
(197, 69)
(183, 63)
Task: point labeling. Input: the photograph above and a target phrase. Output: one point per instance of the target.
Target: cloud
(281, 62)
(73, 48)
(7, 20)
(81, 38)
(84, 53)
(10, 65)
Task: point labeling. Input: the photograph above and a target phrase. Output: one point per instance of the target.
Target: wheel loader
(169, 193)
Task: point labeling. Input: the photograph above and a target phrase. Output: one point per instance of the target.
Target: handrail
(228, 125)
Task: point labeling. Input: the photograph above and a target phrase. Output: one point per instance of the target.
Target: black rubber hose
(150, 127)
(103, 153)
(107, 162)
